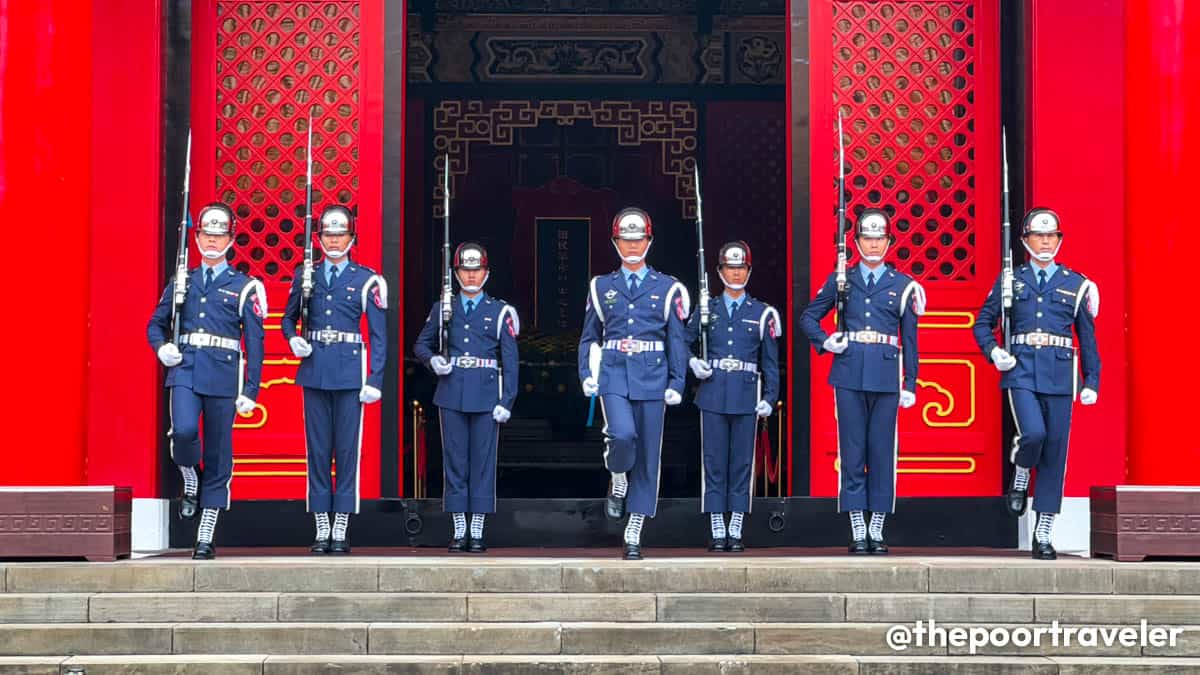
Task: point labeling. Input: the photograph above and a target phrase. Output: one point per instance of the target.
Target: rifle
(306, 279)
(1006, 274)
(181, 256)
(703, 275)
(444, 333)
(842, 289)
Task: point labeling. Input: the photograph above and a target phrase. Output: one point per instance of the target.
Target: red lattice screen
(259, 68)
(917, 84)
(904, 80)
(276, 62)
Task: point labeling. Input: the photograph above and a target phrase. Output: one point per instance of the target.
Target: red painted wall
(1162, 99)
(45, 101)
(123, 392)
(1077, 167)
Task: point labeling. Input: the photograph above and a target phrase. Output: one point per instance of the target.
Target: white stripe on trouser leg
(358, 444)
(477, 526)
(837, 433)
(703, 471)
(895, 453)
(753, 461)
(735, 525)
(341, 521)
(717, 523)
(604, 429)
(322, 521)
(171, 423)
(658, 462)
(633, 530)
(307, 461)
(208, 525)
(460, 525)
(1016, 442)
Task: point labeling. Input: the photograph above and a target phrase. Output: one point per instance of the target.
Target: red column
(1162, 98)
(123, 389)
(45, 95)
(1076, 122)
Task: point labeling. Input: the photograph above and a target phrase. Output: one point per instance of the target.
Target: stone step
(728, 574)
(563, 638)
(724, 664)
(224, 607)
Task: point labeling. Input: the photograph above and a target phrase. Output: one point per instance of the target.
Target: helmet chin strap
(214, 255)
(336, 255)
(472, 289)
(871, 258)
(734, 287)
(1042, 257)
(633, 259)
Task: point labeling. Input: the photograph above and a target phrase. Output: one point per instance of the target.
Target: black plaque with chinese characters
(562, 274)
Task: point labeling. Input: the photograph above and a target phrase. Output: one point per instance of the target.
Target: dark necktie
(870, 281)
(207, 278)
(733, 308)
(633, 283)
(1041, 279)
(470, 307)
(333, 272)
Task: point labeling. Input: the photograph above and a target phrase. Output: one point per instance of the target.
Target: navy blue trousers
(1043, 429)
(633, 445)
(333, 433)
(187, 408)
(727, 480)
(469, 443)
(867, 449)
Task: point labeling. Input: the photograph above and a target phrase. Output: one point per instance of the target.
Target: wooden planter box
(1133, 522)
(90, 522)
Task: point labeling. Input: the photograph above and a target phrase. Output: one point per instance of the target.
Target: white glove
(701, 369)
(440, 365)
(501, 414)
(244, 404)
(300, 347)
(169, 355)
(836, 343)
(1003, 361)
(1088, 396)
(672, 397)
(763, 409)
(369, 394)
(907, 398)
(590, 386)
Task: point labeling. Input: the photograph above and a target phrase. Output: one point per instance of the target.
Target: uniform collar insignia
(610, 294)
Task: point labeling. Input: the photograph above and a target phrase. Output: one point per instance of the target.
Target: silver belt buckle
(729, 365)
(629, 346)
(867, 336)
(205, 341)
(327, 336)
(467, 361)
(1040, 339)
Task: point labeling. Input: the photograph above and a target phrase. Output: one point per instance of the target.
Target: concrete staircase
(726, 614)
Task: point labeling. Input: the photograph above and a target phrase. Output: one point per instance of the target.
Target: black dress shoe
(476, 546)
(1016, 502)
(859, 547)
(876, 546)
(188, 507)
(614, 506)
(718, 545)
(735, 545)
(339, 547)
(1044, 551)
(204, 551)
(320, 546)
(633, 552)
(458, 545)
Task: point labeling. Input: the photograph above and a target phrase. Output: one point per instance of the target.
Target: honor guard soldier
(739, 385)
(874, 371)
(633, 355)
(213, 371)
(1041, 369)
(477, 385)
(335, 372)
